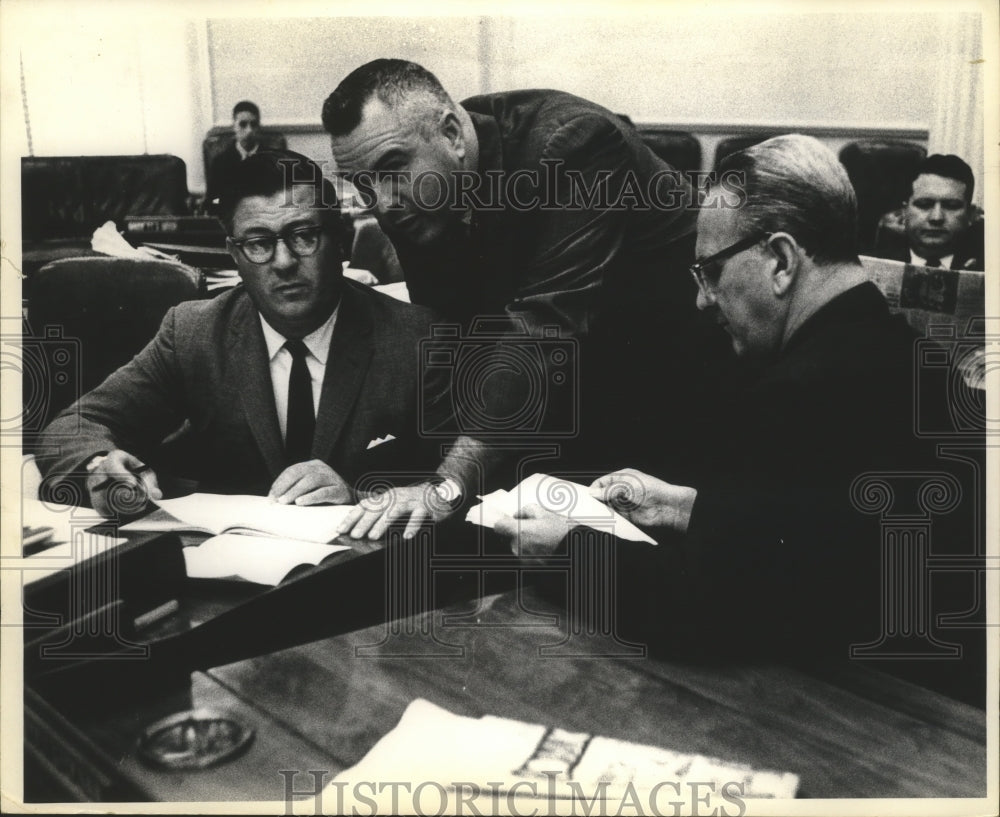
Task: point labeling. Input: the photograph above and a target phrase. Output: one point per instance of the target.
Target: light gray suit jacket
(203, 385)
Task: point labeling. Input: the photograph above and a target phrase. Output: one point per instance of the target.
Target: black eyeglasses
(699, 269)
(301, 241)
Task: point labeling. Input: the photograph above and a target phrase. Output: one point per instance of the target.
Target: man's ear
(788, 255)
(232, 249)
(451, 129)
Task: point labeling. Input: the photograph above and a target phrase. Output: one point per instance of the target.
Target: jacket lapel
(351, 348)
(250, 365)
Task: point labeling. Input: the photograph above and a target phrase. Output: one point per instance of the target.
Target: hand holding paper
(560, 497)
(646, 500)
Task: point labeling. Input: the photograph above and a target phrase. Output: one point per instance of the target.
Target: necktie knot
(297, 349)
(932, 261)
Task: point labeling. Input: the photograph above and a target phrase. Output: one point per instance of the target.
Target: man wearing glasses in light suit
(771, 551)
(295, 384)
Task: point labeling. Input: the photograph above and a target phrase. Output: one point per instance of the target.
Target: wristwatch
(449, 492)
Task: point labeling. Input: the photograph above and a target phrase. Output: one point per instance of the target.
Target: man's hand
(310, 483)
(534, 531)
(646, 500)
(120, 484)
(374, 514)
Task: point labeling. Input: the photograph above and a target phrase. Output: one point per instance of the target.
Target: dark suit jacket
(205, 380)
(969, 250)
(609, 270)
(780, 556)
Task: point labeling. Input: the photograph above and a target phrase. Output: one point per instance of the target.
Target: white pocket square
(379, 440)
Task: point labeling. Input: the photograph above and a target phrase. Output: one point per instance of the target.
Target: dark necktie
(932, 262)
(301, 419)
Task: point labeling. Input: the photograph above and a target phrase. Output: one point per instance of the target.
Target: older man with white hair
(771, 550)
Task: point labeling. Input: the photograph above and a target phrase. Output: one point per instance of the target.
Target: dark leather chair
(65, 198)
(86, 318)
(221, 137)
(880, 170)
(677, 148)
(737, 143)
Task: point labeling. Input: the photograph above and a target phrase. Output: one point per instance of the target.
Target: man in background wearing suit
(246, 125)
(295, 384)
(937, 219)
(549, 211)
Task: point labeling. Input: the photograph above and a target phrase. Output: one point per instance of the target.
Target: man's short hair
(795, 184)
(248, 106)
(394, 82)
(949, 166)
(276, 171)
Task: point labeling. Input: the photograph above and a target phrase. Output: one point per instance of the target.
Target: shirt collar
(245, 154)
(317, 341)
(919, 261)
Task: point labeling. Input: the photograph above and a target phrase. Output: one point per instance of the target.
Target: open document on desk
(256, 539)
(250, 515)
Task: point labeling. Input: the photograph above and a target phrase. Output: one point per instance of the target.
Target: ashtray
(195, 739)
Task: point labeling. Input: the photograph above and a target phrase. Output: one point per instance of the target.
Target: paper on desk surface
(71, 541)
(509, 753)
(569, 499)
(260, 559)
(108, 240)
(222, 513)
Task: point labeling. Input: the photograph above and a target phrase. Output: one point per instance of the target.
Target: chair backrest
(880, 170)
(733, 144)
(71, 196)
(678, 148)
(89, 316)
(221, 137)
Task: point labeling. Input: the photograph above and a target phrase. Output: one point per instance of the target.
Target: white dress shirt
(246, 154)
(318, 344)
(917, 261)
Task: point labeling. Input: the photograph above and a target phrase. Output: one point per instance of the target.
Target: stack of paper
(254, 515)
(106, 239)
(555, 768)
(568, 499)
(259, 559)
(71, 542)
(257, 539)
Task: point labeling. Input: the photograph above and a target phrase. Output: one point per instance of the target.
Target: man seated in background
(246, 126)
(550, 212)
(294, 384)
(773, 550)
(937, 225)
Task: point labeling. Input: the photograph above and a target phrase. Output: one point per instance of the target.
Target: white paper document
(259, 559)
(569, 499)
(549, 767)
(224, 513)
(71, 542)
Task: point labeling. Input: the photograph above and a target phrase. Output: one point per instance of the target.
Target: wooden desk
(323, 705)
